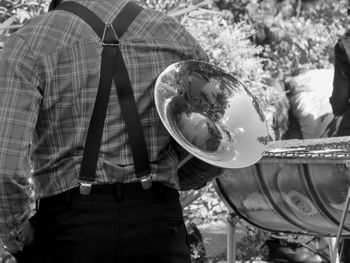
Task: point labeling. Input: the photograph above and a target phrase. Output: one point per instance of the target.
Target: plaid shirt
(49, 74)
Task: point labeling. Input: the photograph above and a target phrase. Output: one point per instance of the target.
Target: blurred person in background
(341, 85)
(341, 104)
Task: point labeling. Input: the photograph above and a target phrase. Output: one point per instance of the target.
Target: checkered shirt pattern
(49, 74)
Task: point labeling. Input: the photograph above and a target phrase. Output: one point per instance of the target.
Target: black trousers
(115, 223)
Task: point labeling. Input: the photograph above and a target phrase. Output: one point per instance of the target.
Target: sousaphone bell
(211, 114)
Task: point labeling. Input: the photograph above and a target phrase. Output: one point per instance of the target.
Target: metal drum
(297, 187)
(290, 195)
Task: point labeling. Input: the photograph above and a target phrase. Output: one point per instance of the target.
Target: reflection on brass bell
(211, 114)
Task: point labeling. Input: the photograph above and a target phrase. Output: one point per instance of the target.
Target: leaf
(22, 15)
(6, 24)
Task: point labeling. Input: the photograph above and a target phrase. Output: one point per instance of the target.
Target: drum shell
(288, 197)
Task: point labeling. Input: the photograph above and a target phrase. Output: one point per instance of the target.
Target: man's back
(49, 76)
(65, 54)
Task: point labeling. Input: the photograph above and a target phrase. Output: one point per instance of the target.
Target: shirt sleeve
(20, 98)
(195, 173)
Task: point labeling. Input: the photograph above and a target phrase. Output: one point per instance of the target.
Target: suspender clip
(146, 181)
(110, 37)
(85, 188)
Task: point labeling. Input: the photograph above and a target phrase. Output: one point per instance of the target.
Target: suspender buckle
(110, 37)
(85, 188)
(146, 181)
(110, 44)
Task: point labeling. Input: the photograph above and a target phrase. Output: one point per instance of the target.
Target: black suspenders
(112, 68)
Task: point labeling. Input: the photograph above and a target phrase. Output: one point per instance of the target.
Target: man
(49, 74)
(341, 104)
(341, 93)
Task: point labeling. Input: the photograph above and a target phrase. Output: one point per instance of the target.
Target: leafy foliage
(165, 6)
(22, 9)
(251, 246)
(207, 207)
(13, 13)
(296, 35)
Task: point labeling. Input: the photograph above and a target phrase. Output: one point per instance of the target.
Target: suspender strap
(133, 124)
(112, 67)
(93, 140)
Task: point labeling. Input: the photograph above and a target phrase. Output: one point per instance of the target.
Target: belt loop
(118, 192)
